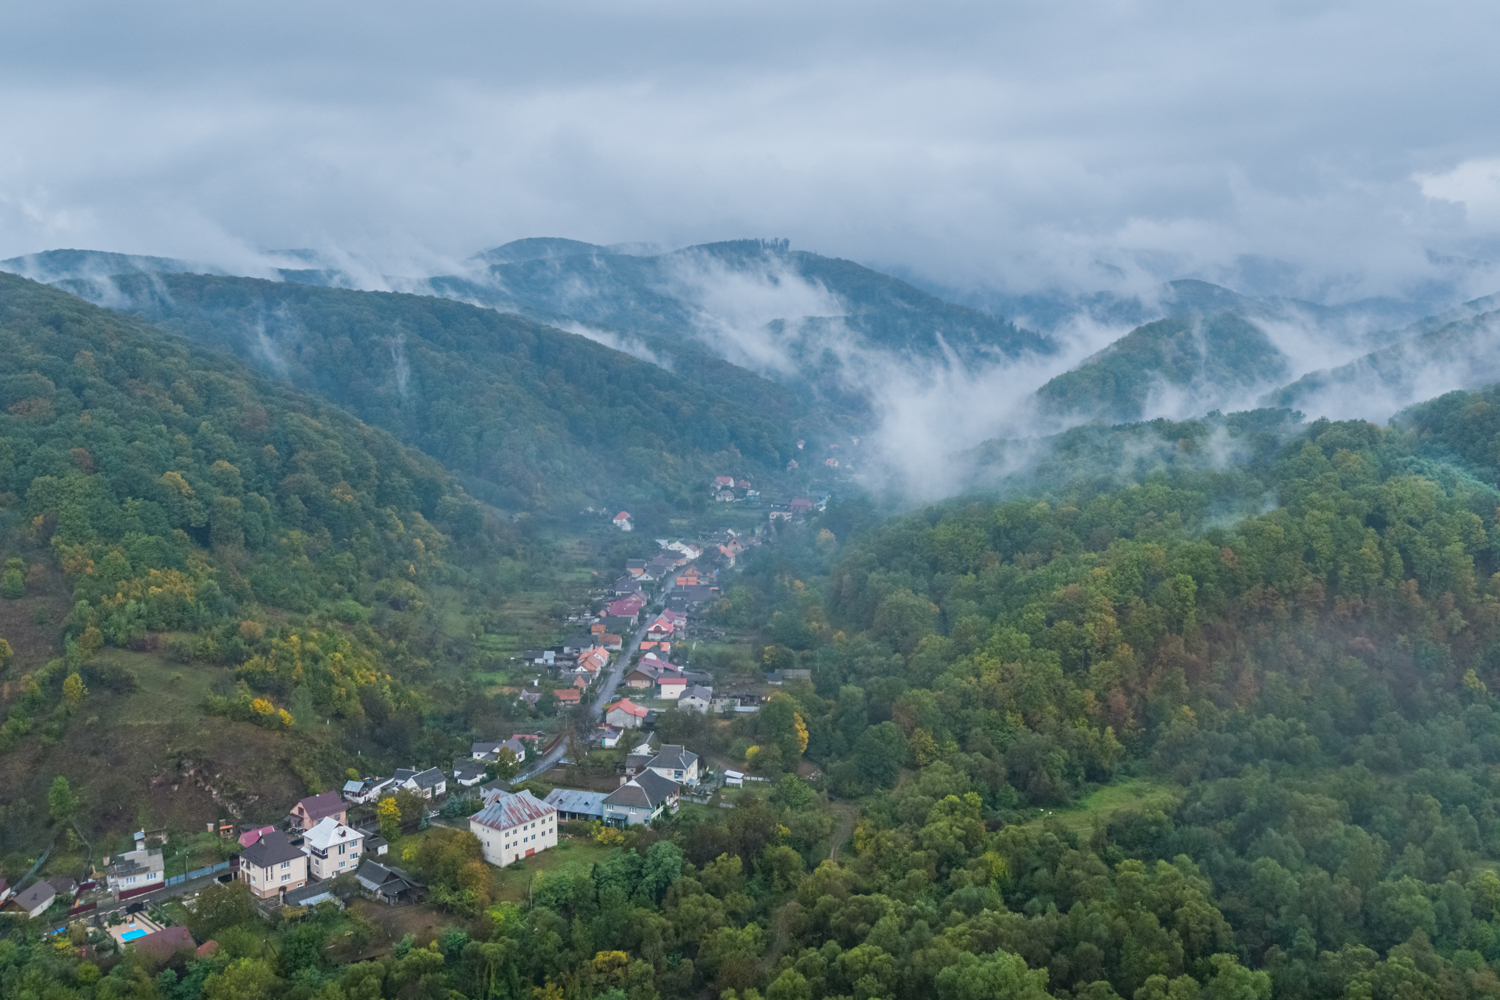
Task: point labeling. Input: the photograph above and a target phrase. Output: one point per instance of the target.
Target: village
(624, 660)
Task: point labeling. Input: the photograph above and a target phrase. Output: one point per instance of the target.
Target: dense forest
(158, 498)
(531, 416)
(1191, 710)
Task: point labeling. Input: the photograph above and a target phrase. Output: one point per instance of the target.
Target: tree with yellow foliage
(73, 690)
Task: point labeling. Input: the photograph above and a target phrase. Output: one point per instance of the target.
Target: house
(571, 803)
(429, 784)
(801, 505)
(609, 737)
(676, 764)
(640, 800)
(489, 752)
(612, 641)
(531, 694)
(140, 868)
(272, 865)
(332, 848)
(376, 847)
(315, 808)
(625, 586)
(643, 677)
(514, 825)
(34, 901)
(724, 481)
(671, 688)
(628, 608)
(368, 790)
(635, 567)
(468, 772)
(625, 714)
(312, 894)
(568, 696)
(388, 884)
(724, 496)
(734, 779)
(622, 521)
(65, 887)
(163, 944)
(251, 836)
(696, 699)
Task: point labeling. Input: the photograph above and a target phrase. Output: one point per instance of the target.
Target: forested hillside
(1186, 364)
(534, 416)
(185, 537)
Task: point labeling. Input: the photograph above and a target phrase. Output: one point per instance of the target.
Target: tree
(73, 690)
(389, 815)
(879, 754)
(13, 580)
(220, 906)
(505, 765)
(61, 802)
(6, 653)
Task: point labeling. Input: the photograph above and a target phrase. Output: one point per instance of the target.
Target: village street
(606, 692)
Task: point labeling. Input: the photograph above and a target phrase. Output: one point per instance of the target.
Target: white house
(141, 867)
(640, 800)
(622, 521)
(332, 848)
(514, 825)
(675, 764)
(671, 688)
(696, 699)
(36, 899)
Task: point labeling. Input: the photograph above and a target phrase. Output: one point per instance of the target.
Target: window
(130, 880)
(286, 864)
(286, 878)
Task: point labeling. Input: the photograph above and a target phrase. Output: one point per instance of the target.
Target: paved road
(606, 691)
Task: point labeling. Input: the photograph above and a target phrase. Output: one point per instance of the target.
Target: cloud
(1014, 146)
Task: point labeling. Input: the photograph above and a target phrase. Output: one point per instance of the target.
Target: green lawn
(1101, 805)
(511, 883)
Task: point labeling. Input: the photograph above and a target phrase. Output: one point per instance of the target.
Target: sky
(1332, 150)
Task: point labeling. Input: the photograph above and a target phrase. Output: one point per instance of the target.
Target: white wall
(501, 847)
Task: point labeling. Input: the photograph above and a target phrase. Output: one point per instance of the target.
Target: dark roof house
(387, 883)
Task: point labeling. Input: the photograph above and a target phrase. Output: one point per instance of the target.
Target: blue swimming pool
(131, 935)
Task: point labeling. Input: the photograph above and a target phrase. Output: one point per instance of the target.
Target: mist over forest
(749, 502)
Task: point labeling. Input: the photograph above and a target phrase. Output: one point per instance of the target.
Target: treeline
(537, 418)
(235, 521)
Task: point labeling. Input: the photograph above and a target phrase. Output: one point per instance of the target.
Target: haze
(1331, 151)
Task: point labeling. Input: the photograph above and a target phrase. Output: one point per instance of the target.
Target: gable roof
(568, 695)
(467, 767)
(40, 894)
(330, 831)
(322, 804)
(165, 943)
(674, 757)
(271, 849)
(139, 862)
(508, 809)
(699, 692)
(574, 800)
(627, 706)
(375, 876)
(656, 786)
(251, 836)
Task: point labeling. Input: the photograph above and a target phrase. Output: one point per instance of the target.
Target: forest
(1190, 710)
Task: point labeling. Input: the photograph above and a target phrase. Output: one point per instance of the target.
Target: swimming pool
(131, 935)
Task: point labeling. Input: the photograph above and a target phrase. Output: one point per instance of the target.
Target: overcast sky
(1332, 146)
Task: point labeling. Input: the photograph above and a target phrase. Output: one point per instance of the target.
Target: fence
(198, 873)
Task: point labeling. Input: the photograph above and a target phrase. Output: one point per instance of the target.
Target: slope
(161, 502)
(1185, 364)
(1436, 358)
(532, 415)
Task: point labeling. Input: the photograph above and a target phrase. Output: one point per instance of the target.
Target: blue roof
(573, 800)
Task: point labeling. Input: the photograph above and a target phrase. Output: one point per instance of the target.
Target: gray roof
(656, 786)
(271, 849)
(674, 757)
(646, 790)
(38, 895)
(375, 876)
(573, 800)
(310, 895)
(699, 692)
(467, 767)
(629, 796)
(136, 863)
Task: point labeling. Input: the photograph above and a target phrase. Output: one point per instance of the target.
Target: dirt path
(848, 814)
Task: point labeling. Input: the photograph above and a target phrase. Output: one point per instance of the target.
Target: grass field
(1134, 794)
(511, 884)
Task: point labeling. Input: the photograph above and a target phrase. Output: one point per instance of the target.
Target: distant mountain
(531, 415)
(1460, 354)
(1189, 364)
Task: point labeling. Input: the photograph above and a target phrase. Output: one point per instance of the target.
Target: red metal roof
(511, 809)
